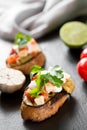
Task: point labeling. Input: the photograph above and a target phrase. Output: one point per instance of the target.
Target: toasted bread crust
(40, 113)
(69, 88)
(25, 68)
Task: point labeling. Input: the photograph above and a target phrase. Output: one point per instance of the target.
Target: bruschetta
(46, 93)
(24, 54)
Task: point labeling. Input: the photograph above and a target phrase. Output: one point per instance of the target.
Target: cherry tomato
(83, 53)
(82, 68)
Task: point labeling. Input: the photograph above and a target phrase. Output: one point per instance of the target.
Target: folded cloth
(39, 17)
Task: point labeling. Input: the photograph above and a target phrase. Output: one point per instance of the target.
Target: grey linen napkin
(39, 17)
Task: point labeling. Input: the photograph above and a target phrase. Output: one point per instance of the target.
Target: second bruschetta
(24, 54)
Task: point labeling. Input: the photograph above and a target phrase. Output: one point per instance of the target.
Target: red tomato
(12, 50)
(83, 53)
(34, 77)
(28, 96)
(33, 54)
(12, 58)
(45, 94)
(82, 68)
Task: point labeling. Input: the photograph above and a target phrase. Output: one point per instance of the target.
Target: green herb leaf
(40, 81)
(35, 92)
(21, 39)
(34, 70)
(56, 68)
(56, 71)
(54, 75)
(55, 80)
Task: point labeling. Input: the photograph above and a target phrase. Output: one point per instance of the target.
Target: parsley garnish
(34, 70)
(53, 74)
(21, 39)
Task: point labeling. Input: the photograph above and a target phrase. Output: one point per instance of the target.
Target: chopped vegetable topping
(25, 47)
(44, 84)
(12, 50)
(54, 75)
(12, 58)
(34, 92)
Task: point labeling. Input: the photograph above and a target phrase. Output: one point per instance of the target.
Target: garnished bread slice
(41, 102)
(25, 68)
(24, 54)
(44, 111)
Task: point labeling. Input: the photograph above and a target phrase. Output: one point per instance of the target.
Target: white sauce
(32, 84)
(51, 88)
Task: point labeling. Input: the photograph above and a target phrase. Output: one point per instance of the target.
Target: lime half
(74, 34)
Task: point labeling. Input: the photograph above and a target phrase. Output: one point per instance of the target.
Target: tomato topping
(45, 94)
(82, 68)
(83, 53)
(12, 58)
(23, 48)
(34, 77)
(28, 96)
(13, 51)
(33, 42)
(33, 53)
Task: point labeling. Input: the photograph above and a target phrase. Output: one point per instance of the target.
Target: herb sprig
(53, 74)
(21, 39)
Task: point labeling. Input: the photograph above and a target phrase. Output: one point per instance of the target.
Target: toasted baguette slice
(40, 113)
(25, 68)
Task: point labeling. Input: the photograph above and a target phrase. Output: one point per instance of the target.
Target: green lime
(74, 34)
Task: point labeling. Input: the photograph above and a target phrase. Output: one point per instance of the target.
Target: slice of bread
(25, 68)
(40, 113)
